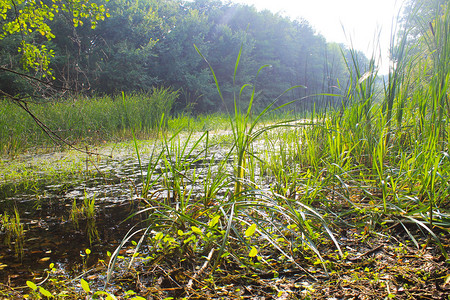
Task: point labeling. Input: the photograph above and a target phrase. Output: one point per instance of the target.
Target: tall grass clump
(14, 231)
(386, 154)
(85, 119)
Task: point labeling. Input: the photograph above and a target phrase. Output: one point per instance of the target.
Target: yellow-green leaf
(251, 230)
(253, 252)
(31, 285)
(159, 236)
(45, 292)
(214, 221)
(196, 230)
(85, 285)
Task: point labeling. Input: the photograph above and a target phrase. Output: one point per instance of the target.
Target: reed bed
(86, 120)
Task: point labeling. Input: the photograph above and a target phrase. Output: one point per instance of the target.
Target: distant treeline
(150, 43)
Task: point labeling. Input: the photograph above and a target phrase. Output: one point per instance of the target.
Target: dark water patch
(52, 236)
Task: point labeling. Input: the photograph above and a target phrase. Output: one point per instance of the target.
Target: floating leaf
(251, 230)
(44, 259)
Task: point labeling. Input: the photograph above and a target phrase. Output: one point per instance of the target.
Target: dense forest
(150, 43)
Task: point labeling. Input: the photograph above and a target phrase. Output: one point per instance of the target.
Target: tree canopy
(31, 21)
(142, 44)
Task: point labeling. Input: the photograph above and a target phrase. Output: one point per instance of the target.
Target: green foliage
(281, 190)
(30, 20)
(214, 221)
(85, 286)
(150, 43)
(14, 231)
(86, 119)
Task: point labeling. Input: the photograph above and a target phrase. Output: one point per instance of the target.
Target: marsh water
(52, 234)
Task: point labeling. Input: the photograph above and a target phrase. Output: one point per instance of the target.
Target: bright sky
(361, 19)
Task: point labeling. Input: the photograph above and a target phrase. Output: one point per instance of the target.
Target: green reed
(85, 119)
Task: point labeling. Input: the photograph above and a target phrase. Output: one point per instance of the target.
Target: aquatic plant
(14, 231)
(86, 211)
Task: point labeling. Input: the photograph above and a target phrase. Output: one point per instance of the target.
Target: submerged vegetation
(345, 200)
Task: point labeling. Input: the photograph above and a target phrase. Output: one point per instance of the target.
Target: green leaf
(31, 285)
(85, 286)
(251, 230)
(159, 236)
(45, 292)
(214, 221)
(253, 252)
(196, 230)
(130, 293)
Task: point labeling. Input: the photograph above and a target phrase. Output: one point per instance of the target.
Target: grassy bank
(84, 120)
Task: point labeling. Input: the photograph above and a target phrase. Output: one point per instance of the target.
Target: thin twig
(35, 79)
(200, 271)
(49, 132)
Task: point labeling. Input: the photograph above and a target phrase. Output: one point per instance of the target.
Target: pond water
(52, 236)
(51, 233)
